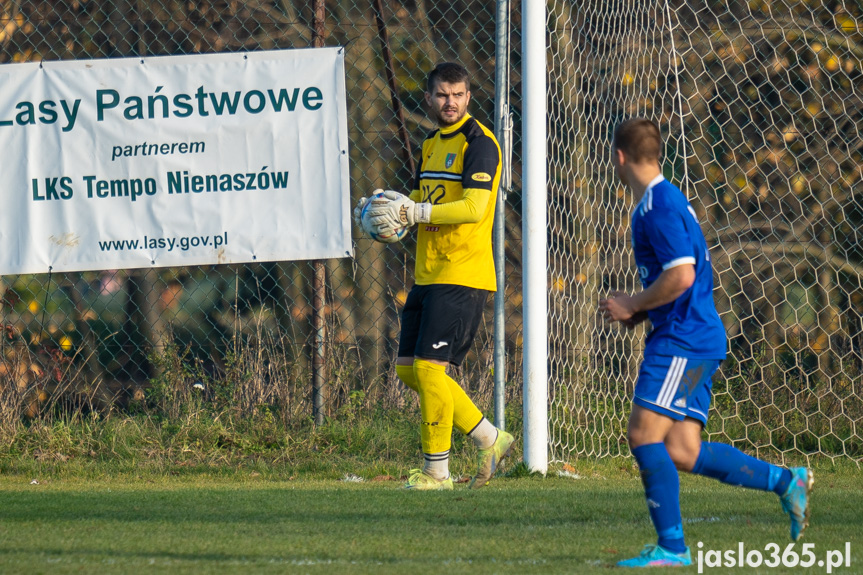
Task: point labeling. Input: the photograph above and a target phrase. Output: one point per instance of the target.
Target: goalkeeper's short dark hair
(639, 139)
(448, 72)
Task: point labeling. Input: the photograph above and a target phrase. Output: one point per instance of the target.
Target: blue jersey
(665, 234)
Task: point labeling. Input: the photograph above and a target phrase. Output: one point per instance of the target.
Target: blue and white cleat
(656, 556)
(795, 502)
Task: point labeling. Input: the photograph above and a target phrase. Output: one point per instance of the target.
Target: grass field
(264, 522)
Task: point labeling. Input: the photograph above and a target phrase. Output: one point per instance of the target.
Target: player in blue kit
(683, 350)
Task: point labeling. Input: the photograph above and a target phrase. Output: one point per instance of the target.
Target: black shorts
(439, 321)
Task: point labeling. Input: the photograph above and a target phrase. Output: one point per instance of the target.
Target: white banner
(173, 161)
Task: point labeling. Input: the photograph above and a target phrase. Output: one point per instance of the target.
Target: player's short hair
(448, 72)
(639, 139)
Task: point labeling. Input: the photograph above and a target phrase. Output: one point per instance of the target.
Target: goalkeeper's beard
(443, 122)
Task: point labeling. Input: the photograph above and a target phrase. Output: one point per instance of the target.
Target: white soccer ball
(389, 237)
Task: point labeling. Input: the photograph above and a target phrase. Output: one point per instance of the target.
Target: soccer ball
(390, 237)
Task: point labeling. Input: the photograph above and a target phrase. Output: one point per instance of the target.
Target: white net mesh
(761, 106)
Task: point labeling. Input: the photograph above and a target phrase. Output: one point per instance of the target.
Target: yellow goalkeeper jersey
(459, 175)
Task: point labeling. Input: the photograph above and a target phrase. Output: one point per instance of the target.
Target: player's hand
(636, 319)
(358, 212)
(399, 211)
(617, 307)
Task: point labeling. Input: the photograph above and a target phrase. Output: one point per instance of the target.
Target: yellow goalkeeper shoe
(489, 459)
(423, 482)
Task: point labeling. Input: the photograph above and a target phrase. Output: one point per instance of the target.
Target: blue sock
(662, 490)
(732, 466)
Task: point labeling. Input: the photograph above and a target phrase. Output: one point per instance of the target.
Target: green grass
(208, 493)
(201, 520)
(375, 442)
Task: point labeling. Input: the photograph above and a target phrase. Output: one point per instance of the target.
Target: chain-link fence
(761, 102)
(244, 335)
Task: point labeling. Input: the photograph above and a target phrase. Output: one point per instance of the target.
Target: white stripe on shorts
(672, 381)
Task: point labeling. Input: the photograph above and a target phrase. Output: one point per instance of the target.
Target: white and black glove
(399, 211)
(358, 212)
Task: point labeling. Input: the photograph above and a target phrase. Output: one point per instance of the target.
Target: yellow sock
(466, 416)
(406, 374)
(436, 405)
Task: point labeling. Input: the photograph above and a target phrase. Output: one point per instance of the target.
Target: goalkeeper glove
(399, 211)
(358, 212)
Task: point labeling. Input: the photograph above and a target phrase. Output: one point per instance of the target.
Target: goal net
(761, 105)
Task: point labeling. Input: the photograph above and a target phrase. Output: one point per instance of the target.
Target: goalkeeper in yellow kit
(453, 203)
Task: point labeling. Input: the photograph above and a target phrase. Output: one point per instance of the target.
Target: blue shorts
(678, 387)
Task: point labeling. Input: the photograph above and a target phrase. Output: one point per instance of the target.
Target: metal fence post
(319, 282)
(503, 132)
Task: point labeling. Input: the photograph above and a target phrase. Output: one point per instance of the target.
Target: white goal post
(534, 238)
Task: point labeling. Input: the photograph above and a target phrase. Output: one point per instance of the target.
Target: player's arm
(406, 210)
(468, 210)
(667, 235)
(669, 286)
(636, 318)
(479, 175)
